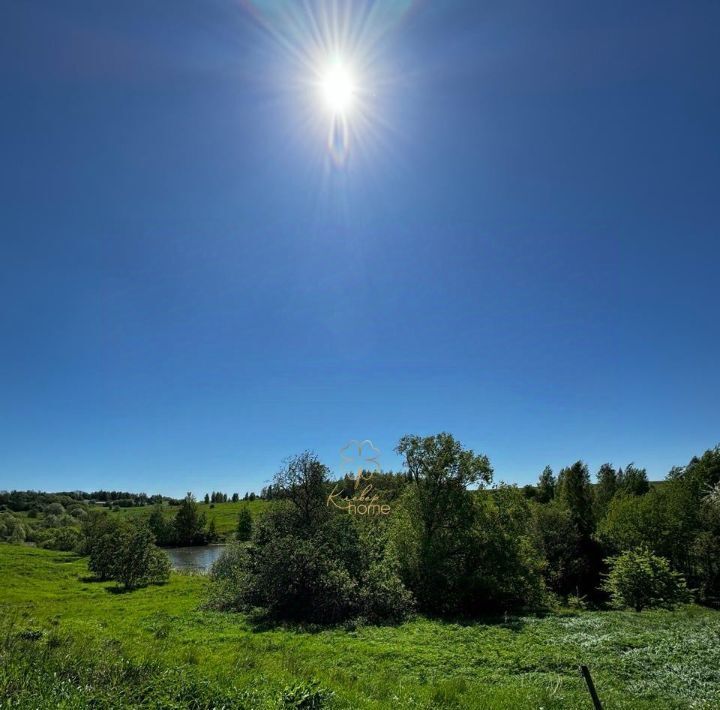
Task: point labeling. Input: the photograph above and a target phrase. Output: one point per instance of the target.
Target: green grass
(225, 515)
(72, 643)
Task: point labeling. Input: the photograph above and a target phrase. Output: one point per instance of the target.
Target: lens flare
(335, 58)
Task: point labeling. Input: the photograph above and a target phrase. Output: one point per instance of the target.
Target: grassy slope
(121, 648)
(225, 515)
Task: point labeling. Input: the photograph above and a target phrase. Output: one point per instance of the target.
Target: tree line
(457, 545)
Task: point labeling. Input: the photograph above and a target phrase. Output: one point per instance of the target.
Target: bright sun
(338, 88)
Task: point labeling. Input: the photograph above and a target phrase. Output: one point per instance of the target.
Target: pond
(198, 558)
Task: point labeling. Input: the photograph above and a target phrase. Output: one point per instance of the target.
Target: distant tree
(11, 529)
(546, 486)
(65, 539)
(190, 523)
(212, 535)
(163, 531)
(640, 580)
(207, 498)
(605, 490)
(235, 497)
(244, 525)
(574, 493)
(633, 481)
(55, 509)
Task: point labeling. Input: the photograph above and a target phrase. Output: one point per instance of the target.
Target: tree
(546, 486)
(605, 490)
(137, 561)
(633, 481)
(100, 533)
(664, 521)
(189, 523)
(306, 561)
(163, 531)
(206, 499)
(11, 529)
(560, 543)
(640, 580)
(574, 493)
(244, 525)
(235, 497)
(303, 481)
(433, 530)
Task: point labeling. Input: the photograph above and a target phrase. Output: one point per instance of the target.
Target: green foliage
(305, 696)
(65, 539)
(125, 552)
(575, 495)
(11, 528)
(633, 481)
(560, 543)
(161, 528)
(189, 523)
(432, 531)
(605, 489)
(664, 521)
(457, 551)
(137, 561)
(546, 486)
(306, 562)
(244, 525)
(640, 580)
(581, 572)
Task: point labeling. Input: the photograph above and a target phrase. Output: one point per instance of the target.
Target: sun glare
(338, 89)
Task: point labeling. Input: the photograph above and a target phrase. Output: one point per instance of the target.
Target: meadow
(225, 515)
(69, 642)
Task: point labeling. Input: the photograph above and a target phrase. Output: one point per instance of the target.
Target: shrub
(125, 552)
(640, 580)
(307, 563)
(11, 529)
(137, 561)
(65, 539)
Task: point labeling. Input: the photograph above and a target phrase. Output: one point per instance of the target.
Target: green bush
(65, 539)
(124, 551)
(640, 580)
(306, 562)
(11, 529)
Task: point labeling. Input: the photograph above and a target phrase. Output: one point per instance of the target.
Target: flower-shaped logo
(359, 460)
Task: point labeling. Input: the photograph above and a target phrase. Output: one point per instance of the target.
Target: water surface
(194, 558)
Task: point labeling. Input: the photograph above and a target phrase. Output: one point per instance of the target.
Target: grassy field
(225, 515)
(69, 642)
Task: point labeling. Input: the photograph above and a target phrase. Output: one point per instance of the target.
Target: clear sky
(516, 240)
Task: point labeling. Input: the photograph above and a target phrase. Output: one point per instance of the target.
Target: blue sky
(520, 245)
